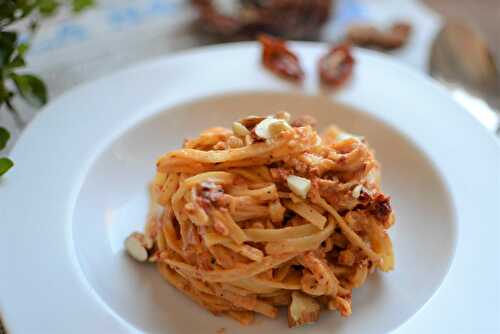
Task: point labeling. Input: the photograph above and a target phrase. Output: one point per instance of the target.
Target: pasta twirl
(244, 224)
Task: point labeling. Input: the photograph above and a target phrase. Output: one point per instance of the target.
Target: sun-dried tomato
(369, 36)
(293, 19)
(381, 207)
(336, 66)
(279, 59)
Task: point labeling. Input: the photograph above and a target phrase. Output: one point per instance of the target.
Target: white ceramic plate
(82, 166)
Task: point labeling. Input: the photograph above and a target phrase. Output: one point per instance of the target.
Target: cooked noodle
(236, 234)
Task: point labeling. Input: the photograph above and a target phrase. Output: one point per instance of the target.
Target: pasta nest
(270, 214)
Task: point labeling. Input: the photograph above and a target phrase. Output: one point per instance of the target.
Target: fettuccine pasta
(268, 215)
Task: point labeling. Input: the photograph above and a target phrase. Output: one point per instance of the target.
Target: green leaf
(15, 10)
(5, 97)
(18, 61)
(22, 48)
(31, 88)
(48, 7)
(7, 10)
(5, 165)
(4, 137)
(79, 5)
(9, 37)
(4, 93)
(7, 46)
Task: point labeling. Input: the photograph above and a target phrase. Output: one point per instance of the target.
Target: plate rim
(51, 110)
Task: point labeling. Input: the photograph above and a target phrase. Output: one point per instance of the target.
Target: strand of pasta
(228, 275)
(348, 232)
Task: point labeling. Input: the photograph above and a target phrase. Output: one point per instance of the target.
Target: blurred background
(75, 41)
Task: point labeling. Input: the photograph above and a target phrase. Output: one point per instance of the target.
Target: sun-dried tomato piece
(279, 59)
(236, 19)
(336, 66)
(369, 36)
(381, 207)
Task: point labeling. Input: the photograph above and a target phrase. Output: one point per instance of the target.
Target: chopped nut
(144, 239)
(280, 300)
(271, 127)
(357, 191)
(373, 176)
(136, 245)
(361, 193)
(280, 126)
(341, 136)
(283, 115)
(240, 130)
(302, 310)
(251, 121)
(342, 304)
(299, 185)
(318, 140)
(234, 142)
(148, 242)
